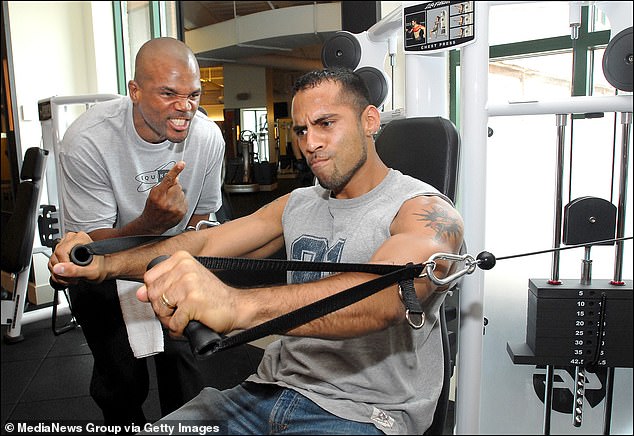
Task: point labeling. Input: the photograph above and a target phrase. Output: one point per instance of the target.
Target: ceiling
(300, 52)
(200, 14)
(304, 48)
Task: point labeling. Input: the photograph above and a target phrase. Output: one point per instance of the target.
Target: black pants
(120, 382)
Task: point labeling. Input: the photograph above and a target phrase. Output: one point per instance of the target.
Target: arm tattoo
(438, 219)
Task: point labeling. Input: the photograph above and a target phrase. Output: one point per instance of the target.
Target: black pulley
(617, 61)
(587, 220)
(375, 82)
(341, 50)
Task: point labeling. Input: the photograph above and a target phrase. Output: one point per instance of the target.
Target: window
(552, 56)
(254, 120)
(531, 77)
(135, 23)
(520, 22)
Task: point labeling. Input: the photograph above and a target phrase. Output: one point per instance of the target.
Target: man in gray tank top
(359, 370)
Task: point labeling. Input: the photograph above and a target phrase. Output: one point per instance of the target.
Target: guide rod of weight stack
(561, 121)
(626, 130)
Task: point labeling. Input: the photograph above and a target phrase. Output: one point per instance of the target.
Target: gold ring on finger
(166, 302)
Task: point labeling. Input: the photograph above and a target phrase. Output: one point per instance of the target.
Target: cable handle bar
(82, 255)
(204, 341)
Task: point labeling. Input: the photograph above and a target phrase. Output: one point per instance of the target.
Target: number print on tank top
(314, 249)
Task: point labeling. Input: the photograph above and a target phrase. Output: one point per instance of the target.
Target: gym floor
(47, 377)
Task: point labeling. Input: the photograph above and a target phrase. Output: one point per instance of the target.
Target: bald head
(160, 53)
(166, 90)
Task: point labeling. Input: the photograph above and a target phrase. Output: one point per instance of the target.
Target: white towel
(144, 329)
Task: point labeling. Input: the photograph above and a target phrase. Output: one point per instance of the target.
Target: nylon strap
(390, 274)
(407, 293)
(305, 314)
(239, 263)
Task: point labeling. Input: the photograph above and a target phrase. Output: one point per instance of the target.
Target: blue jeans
(256, 409)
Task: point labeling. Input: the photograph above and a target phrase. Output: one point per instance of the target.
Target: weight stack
(563, 323)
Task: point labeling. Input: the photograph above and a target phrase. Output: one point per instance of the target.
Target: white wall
(398, 75)
(59, 48)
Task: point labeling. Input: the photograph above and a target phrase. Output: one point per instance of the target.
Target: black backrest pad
(18, 234)
(426, 148)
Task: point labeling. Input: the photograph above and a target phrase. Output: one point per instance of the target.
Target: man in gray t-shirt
(358, 370)
(149, 163)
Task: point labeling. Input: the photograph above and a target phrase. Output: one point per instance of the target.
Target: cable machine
(474, 113)
(586, 323)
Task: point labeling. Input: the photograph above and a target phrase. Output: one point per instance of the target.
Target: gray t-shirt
(108, 170)
(391, 378)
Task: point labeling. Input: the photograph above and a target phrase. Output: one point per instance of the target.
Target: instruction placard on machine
(438, 25)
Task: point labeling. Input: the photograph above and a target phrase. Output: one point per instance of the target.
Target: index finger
(169, 179)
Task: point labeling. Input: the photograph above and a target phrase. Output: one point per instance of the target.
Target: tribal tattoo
(446, 227)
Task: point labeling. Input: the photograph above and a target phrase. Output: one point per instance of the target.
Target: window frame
(582, 49)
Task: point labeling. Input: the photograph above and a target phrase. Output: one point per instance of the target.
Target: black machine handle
(81, 255)
(201, 338)
(204, 342)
